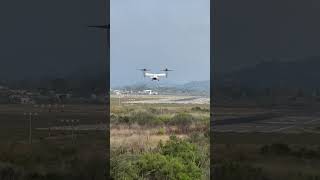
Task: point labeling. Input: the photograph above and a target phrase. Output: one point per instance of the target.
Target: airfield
(240, 119)
(63, 142)
(162, 99)
(132, 100)
(253, 136)
(266, 121)
(227, 119)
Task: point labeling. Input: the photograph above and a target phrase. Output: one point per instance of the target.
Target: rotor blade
(144, 69)
(166, 69)
(106, 26)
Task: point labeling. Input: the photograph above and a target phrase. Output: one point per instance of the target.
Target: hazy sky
(249, 31)
(159, 33)
(51, 38)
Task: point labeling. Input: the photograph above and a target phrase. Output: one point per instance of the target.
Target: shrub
(113, 118)
(158, 166)
(124, 120)
(199, 138)
(278, 149)
(164, 119)
(161, 131)
(182, 120)
(155, 122)
(183, 149)
(8, 171)
(154, 111)
(229, 170)
(175, 160)
(143, 118)
(304, 152)
(122, 167)
(197, 108)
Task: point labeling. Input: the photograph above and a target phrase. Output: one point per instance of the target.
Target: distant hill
(301, 73)
(194, 87)
(84, 81)
(199, 86)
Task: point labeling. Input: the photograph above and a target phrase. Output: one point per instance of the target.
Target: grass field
(259, 155)
(54, 154)
(148, 140)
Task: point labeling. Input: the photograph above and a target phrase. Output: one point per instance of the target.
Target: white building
(150, 92)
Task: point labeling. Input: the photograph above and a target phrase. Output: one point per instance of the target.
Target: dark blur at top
(51, 39)
(250, 31)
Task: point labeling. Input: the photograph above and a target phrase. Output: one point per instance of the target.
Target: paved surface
(269, 123)
(84, 127)
(170, 100)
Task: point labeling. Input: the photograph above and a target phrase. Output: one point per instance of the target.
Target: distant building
(150, 92)
(16, 98)
(93, 96)
(26, 100)
(117, 92)
(63, 96)
(3, 88)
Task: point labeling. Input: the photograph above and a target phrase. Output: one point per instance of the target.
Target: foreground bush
(158, 167)
(235, 170)
(286, 150)
(123, 167)
(179, 148)
(50, 162)
(278, 149)
(197, 108)
(8, 172)
(177, 159)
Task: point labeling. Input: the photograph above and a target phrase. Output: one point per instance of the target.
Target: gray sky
(51, 38)
(158, 33)
(249, 31)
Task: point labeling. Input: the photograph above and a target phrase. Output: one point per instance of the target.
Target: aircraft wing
(160, 75)
(149, 74)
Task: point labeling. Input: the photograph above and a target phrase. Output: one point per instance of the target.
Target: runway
(83, 127)
(168, 99)
(269, 123)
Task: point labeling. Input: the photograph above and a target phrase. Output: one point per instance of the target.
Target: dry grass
(137, 137)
